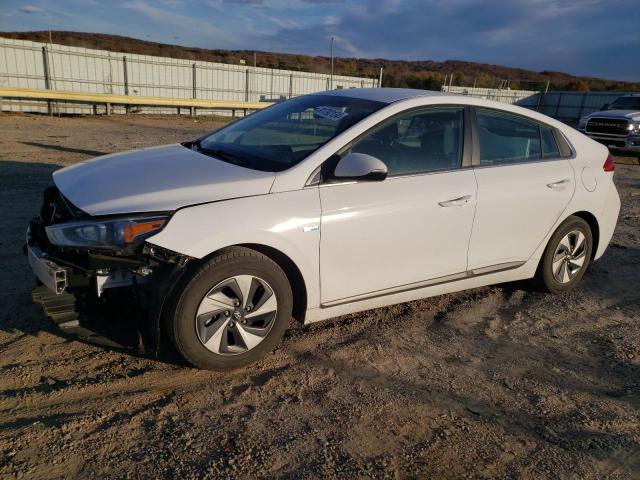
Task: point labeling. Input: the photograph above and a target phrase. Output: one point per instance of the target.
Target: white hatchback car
(324, 205)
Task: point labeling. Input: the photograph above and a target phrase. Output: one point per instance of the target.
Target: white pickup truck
(617, 125)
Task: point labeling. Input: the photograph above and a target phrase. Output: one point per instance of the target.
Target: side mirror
(605, 107)
(360, 167)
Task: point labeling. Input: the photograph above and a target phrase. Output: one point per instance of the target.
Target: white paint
(156, 179)
(516, 209)
(588, 179)
(378, 235)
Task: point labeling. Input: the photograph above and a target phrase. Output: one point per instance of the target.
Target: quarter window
(506, 139)
(418, 142)
(549, 145)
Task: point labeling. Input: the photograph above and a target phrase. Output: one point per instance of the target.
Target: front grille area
(57, 209)
(612, 142)
(608, 126)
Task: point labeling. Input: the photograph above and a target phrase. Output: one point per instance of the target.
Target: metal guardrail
(108, 100)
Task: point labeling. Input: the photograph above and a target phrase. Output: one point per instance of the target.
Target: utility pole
(331, 76)
(50, 105)
(380, 79)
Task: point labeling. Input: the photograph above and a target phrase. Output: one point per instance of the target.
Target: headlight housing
(115, 234)
(583, 122)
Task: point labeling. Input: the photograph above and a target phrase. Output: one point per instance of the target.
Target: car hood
(633, 115)
(156, 179)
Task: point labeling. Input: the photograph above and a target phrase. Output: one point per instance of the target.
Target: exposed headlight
(116, 234)
(635, 128)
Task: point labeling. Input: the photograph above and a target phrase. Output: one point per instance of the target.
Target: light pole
(331, 76)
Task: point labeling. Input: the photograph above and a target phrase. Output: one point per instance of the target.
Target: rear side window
(506, 139)
(549, 145)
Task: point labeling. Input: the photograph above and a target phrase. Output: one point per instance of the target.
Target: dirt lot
(498, 382)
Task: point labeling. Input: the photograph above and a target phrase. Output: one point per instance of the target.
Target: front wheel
(566, 257)
(232, 311)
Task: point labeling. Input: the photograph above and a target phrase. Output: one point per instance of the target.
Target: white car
(324, 205)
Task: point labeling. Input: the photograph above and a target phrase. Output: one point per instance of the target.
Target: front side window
(506, 139)
(417, 142)
(284, 134)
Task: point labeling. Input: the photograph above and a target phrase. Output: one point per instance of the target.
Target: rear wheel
(232, 311)
(566, 257)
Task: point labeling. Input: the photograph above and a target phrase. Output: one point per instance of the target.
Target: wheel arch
(291, 270)
(592, 221)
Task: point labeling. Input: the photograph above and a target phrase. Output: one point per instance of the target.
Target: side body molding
(284, 221)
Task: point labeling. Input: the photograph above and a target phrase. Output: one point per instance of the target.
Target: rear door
(524, 185)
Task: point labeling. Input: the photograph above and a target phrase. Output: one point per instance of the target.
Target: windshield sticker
(330, 113)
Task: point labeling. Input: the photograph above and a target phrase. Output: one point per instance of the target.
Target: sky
(582, 37)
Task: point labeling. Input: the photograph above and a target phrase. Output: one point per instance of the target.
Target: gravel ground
(498, 382)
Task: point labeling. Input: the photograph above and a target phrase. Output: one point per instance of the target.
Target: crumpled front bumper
(82, 295)
(52, 275)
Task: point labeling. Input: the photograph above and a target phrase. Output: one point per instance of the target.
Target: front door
(412, 227)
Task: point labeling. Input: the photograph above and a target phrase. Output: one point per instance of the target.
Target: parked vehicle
(617, 125)
(324, 205)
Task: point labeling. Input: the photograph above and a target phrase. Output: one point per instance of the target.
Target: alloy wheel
(236, 315)
(569, 257)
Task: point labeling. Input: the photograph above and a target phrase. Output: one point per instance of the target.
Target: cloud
(30, 9)
(173, 4)
(535, 34)
(244, 2)
(596, 37)
(191, 28)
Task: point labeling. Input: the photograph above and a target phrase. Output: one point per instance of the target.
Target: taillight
(609, 165)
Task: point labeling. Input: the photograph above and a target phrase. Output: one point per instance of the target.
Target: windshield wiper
(224, 155)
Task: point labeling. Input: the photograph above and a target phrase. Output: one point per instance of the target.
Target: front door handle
(558, 184)
(456, 202)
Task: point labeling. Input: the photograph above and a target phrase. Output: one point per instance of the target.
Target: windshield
(626, 103)
(282, 135)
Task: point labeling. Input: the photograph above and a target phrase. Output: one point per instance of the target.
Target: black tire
(180, 317)
(545, 278)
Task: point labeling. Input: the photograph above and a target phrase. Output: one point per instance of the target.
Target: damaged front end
(101, 270)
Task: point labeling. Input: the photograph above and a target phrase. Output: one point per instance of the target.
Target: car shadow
(60, 148)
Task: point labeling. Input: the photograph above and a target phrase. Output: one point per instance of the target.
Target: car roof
(385, 95)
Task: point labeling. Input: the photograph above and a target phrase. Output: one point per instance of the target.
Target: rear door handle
(456, 202)
(558, 184)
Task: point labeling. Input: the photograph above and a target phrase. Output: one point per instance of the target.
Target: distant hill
(425, 74)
